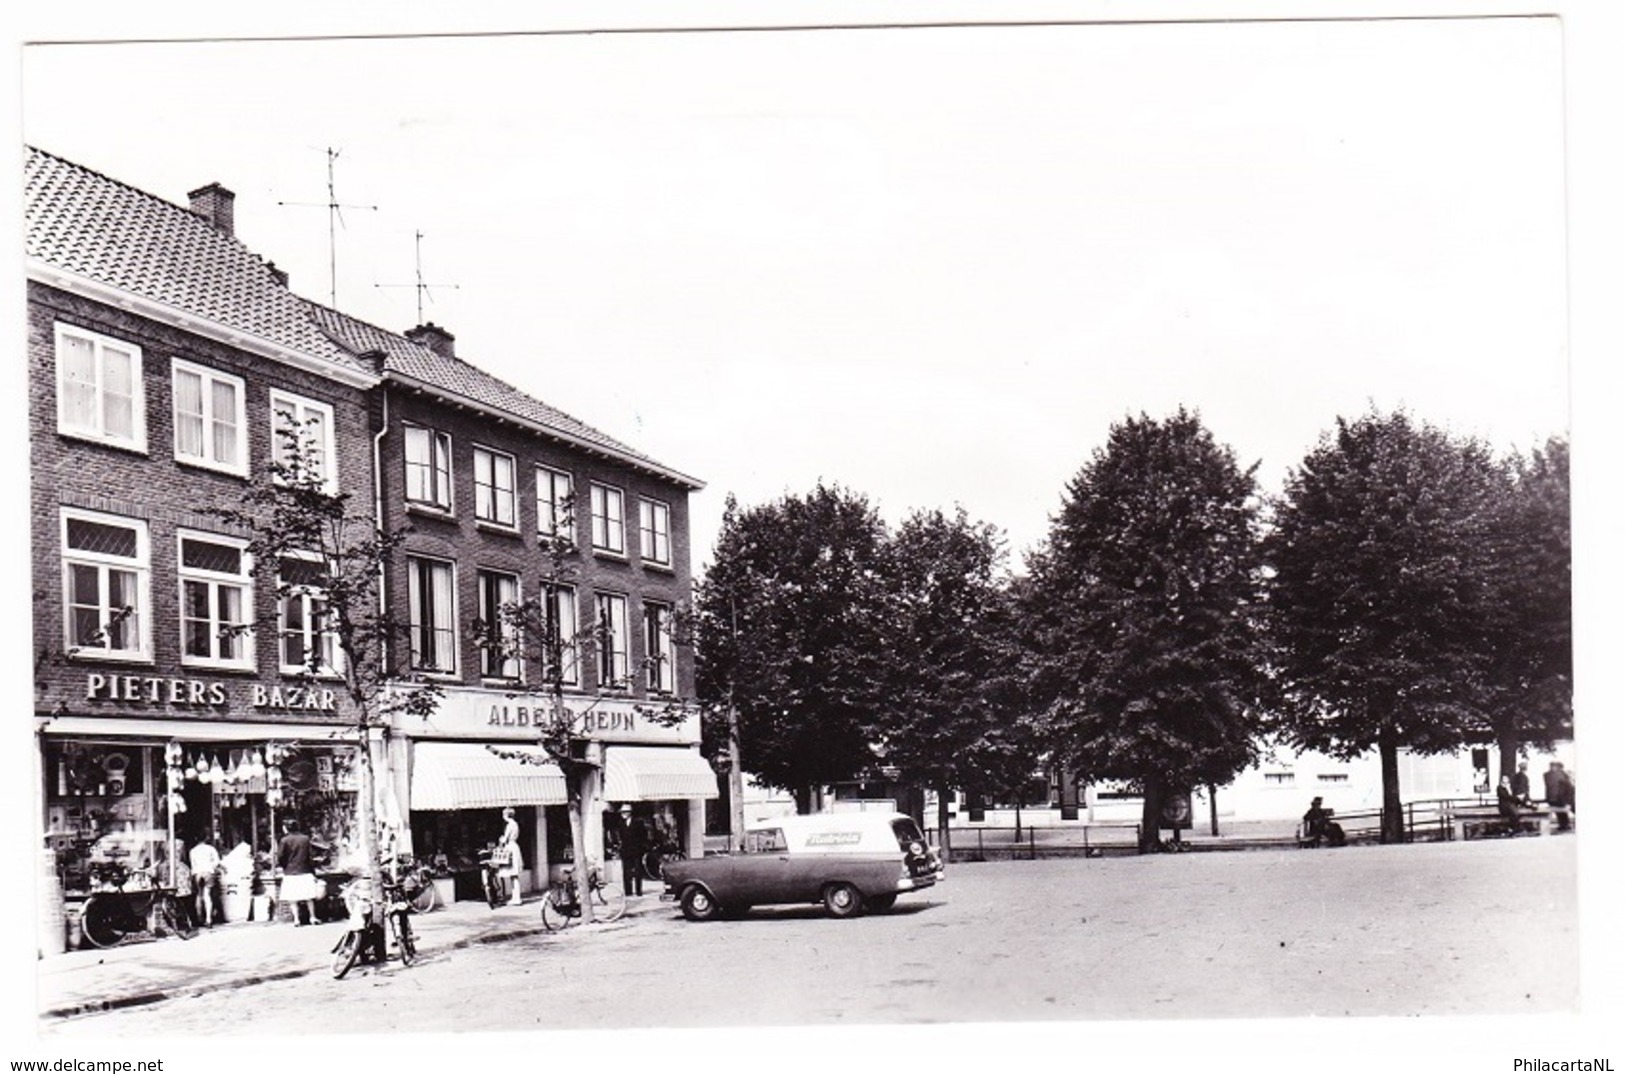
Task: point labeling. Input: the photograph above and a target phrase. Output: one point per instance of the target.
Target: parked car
(849, 862)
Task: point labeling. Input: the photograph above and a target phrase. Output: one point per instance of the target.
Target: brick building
(510, 500)
(163, 357)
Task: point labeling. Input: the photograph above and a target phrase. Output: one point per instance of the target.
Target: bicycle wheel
(403, 938)
(424, 899)
(608, 903)
(103, 921)
(345, 954)
(652, 861)
(554, 915)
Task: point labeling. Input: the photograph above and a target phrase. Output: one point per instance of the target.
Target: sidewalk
(231, 956)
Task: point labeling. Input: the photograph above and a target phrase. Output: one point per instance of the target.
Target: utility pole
(421, 287)
(334, 218)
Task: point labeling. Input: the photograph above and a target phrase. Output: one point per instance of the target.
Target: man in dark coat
(634, 842)
(1520, 784)
(1559, 793)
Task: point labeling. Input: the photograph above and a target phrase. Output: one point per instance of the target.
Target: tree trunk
(1151, 814)
(1393, 816)
(804, 799)
(1506, 741)
(943, 848)
(736, 785)
(578, 846)
(1212, 809)
(366, 788)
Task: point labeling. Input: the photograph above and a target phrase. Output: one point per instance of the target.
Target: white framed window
(495, 494)
(560, 657)
(99, 392)
(106, 580)
(660, 650)
(211, 418)
(307, 643)
(608, 519)
(555, 504)
(499, 640)
(432, 603)
(298, 423)
(654, 532)
(428, 467)
(611, 639)
(217, 601)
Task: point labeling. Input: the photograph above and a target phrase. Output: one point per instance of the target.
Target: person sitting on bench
(1506, 803)
(1318, 825)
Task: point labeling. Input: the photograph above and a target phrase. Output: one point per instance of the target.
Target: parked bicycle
(118, 911)
(655, 859)
(561, 906)
(416, 880)
(365, 940)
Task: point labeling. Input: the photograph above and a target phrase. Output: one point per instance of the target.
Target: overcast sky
(933, 265)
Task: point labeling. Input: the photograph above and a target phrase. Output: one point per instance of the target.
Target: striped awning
(463, 775)
(656, 773)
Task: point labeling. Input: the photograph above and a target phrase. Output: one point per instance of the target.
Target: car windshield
(907, 832)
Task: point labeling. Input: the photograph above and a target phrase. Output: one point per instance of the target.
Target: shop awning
(463, 775)
(654, 773)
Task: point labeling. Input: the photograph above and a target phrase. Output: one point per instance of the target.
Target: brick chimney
(214, 204)
(435, 338)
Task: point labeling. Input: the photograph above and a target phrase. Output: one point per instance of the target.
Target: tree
(790, 625)
(1143, 607)
(1531, 670)
(947, 719)
(306, 544)
(1383, 556)
(541, 625)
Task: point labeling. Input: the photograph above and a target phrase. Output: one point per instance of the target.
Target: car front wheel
(843, 900)
(698, 905)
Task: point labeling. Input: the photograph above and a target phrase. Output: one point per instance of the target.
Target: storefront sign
(465, 713)
(200, 693)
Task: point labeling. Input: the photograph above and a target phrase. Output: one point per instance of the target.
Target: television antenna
(335, 217)
(421, 287)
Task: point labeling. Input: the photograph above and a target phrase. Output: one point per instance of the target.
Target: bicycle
(561, 906)
(655, 858)
(114, 914)
(416, 881)
(365, 940)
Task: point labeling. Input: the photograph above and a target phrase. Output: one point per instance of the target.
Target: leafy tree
(791, 627)
(536, 626)
(1143, 602)
(1531, 672)
(1383, 555)
(947, 718)
(306, 541)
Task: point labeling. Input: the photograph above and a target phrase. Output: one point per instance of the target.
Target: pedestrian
(1520, 785)
(513, 864)
(205, 862)
(1506, 803)
(634, 842)
(298, 886)
(178, 878)
(1559, 790)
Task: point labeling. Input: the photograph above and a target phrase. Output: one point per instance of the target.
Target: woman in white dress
(509, 845)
